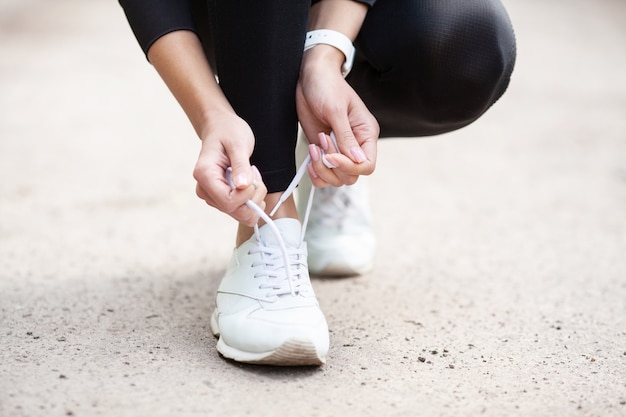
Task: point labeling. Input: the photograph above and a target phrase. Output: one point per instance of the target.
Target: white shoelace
(296, 259)
(274, 271)
(290, 258)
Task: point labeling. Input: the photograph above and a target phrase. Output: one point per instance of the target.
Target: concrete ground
(500, 284)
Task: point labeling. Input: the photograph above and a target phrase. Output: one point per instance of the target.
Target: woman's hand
(326, 103)
(227, 140)
(229, 143)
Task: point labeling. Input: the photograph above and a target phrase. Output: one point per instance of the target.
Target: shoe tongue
(290, 231)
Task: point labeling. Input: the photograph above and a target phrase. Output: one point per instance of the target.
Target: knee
(439, 67)
(469, 63)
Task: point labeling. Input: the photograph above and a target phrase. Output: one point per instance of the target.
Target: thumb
(242, 171)
(348, 145)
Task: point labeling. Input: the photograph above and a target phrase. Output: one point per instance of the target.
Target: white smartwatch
(336, 39)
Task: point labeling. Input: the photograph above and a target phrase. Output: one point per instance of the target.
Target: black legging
(423, 67)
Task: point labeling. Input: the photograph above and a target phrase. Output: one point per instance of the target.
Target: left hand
(326, 103)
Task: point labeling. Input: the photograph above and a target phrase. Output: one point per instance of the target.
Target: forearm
(345, 16)
(180, 61)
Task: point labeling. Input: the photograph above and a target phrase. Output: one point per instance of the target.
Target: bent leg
(426, 67)
(256, 50)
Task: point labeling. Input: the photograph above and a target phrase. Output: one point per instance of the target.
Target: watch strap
(332, 38)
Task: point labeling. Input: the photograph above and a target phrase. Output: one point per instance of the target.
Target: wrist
(209, 117)
(341, 48)
(322, 58)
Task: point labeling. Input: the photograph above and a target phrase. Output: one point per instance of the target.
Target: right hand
(229, 142)
(325, 103)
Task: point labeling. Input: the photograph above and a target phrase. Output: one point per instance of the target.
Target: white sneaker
(340, 234)
(266, 311)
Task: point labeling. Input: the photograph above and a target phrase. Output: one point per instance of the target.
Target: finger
(342, 166)
(242, 212)
(315, 179)
(368, 139)
(342, 170)
(260, 189)
(246, 215)
(322, 166)
(219, 194)
(347, 143)
(370, 148)
(242, 172)
(321, 175)
(203, 195)
(328, 143)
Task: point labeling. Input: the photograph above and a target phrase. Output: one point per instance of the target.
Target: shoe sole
(339, 270)
(293, 352)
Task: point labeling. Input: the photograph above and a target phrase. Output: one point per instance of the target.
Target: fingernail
(241, 180)
(329, 161)
(323, 141)
(314, 152)
(358, 154)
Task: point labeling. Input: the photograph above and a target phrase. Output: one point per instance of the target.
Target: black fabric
(151, 19)
(427, 67)
(368, 2)
(423, 67)
(257, 59)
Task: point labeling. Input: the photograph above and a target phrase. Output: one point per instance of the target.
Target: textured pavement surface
(500, 283)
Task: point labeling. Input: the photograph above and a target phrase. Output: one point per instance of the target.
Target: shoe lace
(280, 263)
(275, 272)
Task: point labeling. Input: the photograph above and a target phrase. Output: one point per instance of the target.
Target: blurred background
(515, 263)
(85, 121)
